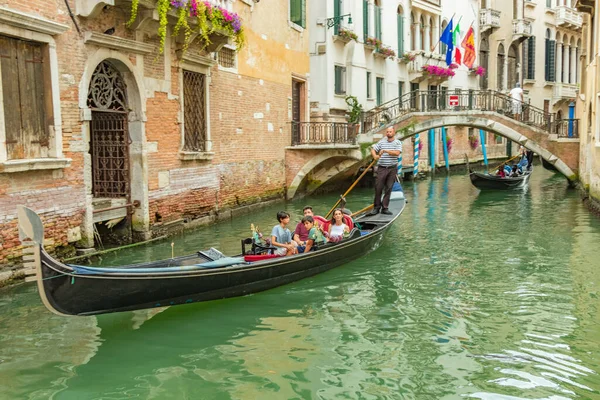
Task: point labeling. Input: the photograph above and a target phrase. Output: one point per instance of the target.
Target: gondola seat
(256, 248)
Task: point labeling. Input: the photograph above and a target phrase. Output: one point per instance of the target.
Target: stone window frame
(202, 65)
(233, 69)
(35, 29)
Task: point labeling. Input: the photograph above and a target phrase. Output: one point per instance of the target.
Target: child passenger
(313, 235)
(281, 237)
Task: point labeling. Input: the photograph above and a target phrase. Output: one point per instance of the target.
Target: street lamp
(333, 21)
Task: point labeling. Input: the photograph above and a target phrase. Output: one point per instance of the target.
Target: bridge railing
(463, 100)
(567, 128)
(323, 133)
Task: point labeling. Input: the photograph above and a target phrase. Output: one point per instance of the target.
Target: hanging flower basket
(437, 71)
(473, 142)
(347, 35)
(479, 70)
(209, 19)
(449, 143)
(386, 51)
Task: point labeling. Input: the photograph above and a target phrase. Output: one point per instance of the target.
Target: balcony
(567, 17)
(567, 128)
(564, 92)
(323, 134)
(489, 20)
(521, 30)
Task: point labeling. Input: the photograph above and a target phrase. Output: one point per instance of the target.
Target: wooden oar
(367, 208)
(518, 155)
(350, 189)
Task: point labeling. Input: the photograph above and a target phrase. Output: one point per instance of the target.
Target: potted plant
(346, 35)
(477, 70)
(386, 52)
(437, 71)
(372, 43)
(354, 113)
(408, 57)
(473, 142)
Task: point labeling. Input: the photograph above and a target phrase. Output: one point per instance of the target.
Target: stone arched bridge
(556, 141)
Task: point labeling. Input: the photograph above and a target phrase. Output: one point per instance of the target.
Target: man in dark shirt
(386, 152)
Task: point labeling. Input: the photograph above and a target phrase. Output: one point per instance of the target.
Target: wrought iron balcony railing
(437, 100)
(320, 133)
(567, 128)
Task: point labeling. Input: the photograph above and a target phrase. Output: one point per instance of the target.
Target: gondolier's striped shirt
(386, 159)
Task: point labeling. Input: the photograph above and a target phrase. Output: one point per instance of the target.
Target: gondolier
(386, 153)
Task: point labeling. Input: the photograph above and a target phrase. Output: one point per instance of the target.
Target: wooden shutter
(547, 60)
(400, 91)
(303, 13)
(368, 85)
(377, 22)
(337, 11)
(365, 19)
(531, 58)
(400, 35)
(24, 99)
(337, 79)
(552, 62)
(298, 12)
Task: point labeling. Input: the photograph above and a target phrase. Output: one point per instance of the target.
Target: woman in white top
(337, 228)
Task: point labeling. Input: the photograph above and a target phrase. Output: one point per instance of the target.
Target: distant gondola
(207, 275)
(492, 182)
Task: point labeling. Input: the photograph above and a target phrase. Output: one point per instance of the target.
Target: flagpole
(438, 42)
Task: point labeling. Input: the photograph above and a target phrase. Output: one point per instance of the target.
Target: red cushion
(259, 257)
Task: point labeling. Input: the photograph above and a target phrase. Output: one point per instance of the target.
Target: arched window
(422, 33)
(572, 62)
(413, 32)
(400, 25)
(500, 60)
(577, 62)
(513, 60)
(377, 12)
(484, 56)
(550, 57)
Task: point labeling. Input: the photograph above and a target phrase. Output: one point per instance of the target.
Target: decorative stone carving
(118, 43)
(91, 8)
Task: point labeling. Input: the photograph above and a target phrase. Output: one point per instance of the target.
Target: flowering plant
(420, 146)
(371, 41)
(473, 142)
(347, 34)
(203, 11)
(479, 70)
(449, 143)
(386, 51)
(408, 56)
(438, 71)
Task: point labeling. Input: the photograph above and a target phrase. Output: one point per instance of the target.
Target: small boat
(493, 182)
(207, 275)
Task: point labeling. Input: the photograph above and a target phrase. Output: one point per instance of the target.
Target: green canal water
(471, 295)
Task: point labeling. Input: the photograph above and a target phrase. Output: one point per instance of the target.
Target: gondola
(492, 182)
(207, 275)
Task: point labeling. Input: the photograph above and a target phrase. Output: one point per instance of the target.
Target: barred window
(194, 113)
(227, 57)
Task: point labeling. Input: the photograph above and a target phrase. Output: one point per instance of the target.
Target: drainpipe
(445, 147)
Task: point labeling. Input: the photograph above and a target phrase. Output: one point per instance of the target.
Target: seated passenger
(337, 228)
(281, 237)
(313, 236)
(300, 233)
(501, 172)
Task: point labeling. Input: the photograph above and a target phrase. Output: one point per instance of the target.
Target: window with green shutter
(379, 88)
(337, 11)
(377, 11)
(552, 61)
(340, 79)
(531, 57)
(298, 12)
(400, 35)
(369, 94)
(365, 19)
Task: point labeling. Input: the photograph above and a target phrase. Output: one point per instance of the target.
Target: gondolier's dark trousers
(386, 176)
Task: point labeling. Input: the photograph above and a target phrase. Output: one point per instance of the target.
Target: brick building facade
(113, 126)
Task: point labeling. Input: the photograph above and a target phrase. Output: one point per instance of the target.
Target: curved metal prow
(30, 225)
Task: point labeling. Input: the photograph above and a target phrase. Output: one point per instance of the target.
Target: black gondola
(492, 182)
(206, 275)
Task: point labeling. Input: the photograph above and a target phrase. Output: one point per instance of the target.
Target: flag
(457, 56)
(468, 44)
(446, 38)
(456, 43)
